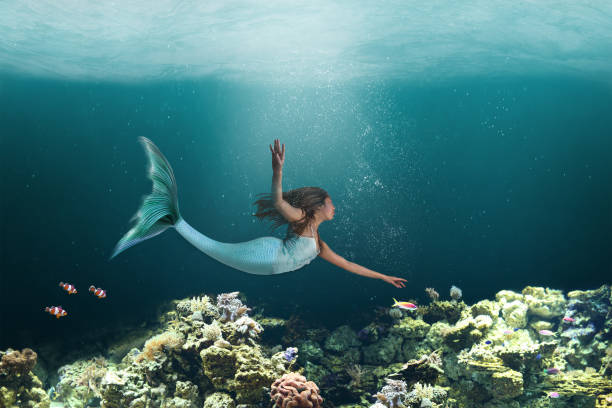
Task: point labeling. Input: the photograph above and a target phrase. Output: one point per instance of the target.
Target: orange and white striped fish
(56, 311)
(68, 288)
(100, 293)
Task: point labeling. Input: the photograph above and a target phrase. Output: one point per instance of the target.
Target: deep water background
(486, 184)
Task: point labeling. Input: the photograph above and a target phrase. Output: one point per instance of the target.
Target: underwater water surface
(466, 145)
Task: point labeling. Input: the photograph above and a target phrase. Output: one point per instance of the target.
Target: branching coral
(393, 394)
(355, 372)
(433, 295)
(424, 395)
(200, 304)
(230, 307)
(293, 391)
(420, 391)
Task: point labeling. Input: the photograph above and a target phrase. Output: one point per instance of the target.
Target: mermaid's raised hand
(278, 155)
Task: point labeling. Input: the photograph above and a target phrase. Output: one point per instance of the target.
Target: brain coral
(293, 391)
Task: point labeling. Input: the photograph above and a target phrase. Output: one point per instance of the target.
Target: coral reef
(442, 311)
(535, 348)
(190, 364)
(427, 369)
(80, 381)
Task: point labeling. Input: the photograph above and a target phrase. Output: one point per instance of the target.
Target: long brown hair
(308, 199)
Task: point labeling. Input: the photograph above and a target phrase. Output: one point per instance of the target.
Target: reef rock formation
(19, 387)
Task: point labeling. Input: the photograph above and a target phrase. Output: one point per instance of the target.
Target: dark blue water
(485, 184)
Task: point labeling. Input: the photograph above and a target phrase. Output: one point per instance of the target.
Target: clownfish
(56, 311)
(98, 292)
(68, 288)
(404, 305)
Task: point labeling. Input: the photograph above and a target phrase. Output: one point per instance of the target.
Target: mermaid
(303, 209)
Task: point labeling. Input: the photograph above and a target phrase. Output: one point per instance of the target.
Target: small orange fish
(68, 288)
(100, 293)
(404, 305)
(56, 311)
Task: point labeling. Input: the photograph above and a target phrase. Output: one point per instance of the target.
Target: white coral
(455, 293)
(425, 394)
(421, 391)
(248, 327)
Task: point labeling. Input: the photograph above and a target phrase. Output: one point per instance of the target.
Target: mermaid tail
(159, 210)
(259, 256)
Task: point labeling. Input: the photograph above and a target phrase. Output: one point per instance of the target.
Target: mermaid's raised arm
(289, 212)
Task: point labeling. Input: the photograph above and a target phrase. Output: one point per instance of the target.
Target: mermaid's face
(327, 210)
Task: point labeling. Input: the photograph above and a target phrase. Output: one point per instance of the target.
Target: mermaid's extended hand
(395, 281)
(278, 156)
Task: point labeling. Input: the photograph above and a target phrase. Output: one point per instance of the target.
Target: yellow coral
(200, 304)
(581, 383)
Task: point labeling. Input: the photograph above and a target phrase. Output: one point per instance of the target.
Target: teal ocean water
(466, 145)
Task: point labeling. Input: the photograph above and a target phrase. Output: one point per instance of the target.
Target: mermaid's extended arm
(332, 257)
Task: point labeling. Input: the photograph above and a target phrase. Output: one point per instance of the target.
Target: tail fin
(395, 300)
(159, 210)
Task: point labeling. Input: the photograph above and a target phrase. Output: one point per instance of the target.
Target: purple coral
(290, 354)
(363, 334)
